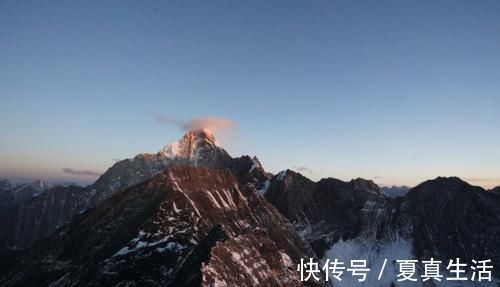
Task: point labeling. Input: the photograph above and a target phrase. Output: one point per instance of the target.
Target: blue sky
(396, 91)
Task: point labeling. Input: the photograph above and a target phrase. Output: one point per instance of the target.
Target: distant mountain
(5, 185)
(21, 191)
(395, 191)
(12, 197)
(40, 216)
(444, 218)
(26, 221)
(186, 226)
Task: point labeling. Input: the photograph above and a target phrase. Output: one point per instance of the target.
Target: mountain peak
(204, 134)
(191, 144)
(441, 181)
(365, 184)
(445, 187)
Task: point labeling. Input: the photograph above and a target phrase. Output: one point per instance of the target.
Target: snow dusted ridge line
(141, 242)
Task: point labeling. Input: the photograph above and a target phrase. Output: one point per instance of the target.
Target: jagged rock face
(454, 219)
(250, 171)
(196, 148)
(345, 221)
(292, 194)
(329, 206)
(40, 216)
(185, 227)
(443, 218)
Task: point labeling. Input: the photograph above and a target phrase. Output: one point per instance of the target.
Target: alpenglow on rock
(196, 148)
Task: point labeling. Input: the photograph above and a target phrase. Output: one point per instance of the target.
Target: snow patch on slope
(281, 175)
(374, 253)
(262, 191)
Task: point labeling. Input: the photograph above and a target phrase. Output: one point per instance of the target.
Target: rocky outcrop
(452, 218)
(444, 218)
(325, 211)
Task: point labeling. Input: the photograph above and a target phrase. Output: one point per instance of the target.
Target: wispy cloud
(211, 123)
(303, 169)
(84, 172)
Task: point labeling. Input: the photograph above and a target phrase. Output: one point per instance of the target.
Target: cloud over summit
(212, 123)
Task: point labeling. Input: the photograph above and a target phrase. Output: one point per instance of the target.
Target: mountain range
(192, 215)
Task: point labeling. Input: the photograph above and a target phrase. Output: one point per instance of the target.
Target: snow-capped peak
(255, 164)
(190, 144)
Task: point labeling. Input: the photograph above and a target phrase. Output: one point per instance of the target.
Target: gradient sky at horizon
(396, 91)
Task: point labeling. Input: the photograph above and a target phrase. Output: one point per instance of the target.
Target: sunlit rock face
(187, 226)
(444, 218)
(195, 148)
